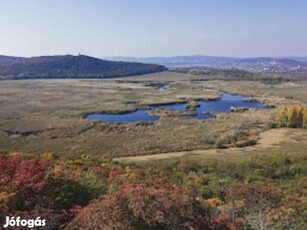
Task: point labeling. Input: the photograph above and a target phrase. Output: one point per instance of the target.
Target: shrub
(187, 165)
(63, 193)
(30, 174)
(96, 186)
(224, 141)
(140, 207)
(224, 222)
(245, 143)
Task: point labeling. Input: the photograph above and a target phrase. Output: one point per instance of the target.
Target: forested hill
(69, 66)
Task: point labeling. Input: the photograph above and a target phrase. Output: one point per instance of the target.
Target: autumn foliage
(141, 207)
(96, 193)
(294, 116)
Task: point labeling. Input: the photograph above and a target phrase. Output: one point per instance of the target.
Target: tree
(292, 116)
(223, 222)
(305, 118)
(258, 199)
(295, 116)
(282, 118)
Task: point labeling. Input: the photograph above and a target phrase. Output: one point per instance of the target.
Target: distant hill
(299, 59)
(287, 65)
(181, 61)
(69, 66)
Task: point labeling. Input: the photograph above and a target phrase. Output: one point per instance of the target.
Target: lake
(223, 105)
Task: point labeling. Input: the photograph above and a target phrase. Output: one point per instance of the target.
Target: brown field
(279, 141)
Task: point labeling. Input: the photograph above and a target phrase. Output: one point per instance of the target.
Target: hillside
(181, 61)
(278, 65)
(69, 66)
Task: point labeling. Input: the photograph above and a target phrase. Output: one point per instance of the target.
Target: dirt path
(268, 139)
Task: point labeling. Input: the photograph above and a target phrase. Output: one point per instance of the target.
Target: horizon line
(156, 56)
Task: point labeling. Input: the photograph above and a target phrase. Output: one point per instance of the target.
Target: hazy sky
(153, 27)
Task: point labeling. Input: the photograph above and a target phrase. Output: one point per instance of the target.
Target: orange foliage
(223, 222)
(141, 207)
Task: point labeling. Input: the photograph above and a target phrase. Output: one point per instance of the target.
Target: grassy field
(281, 141)
(39, 116)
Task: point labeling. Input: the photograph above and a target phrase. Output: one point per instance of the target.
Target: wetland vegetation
(200, 110)
(41, 116)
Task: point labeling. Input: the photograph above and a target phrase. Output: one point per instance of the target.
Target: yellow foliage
(214, 202)
(15, 154)
(232, 206)
(5, 196)
(281, 214)
(49, 156)
(282, 118)
(293, 116)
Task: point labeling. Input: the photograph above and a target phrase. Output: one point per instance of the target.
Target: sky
(143, 28)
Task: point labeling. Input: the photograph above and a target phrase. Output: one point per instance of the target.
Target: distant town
(271, 65)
